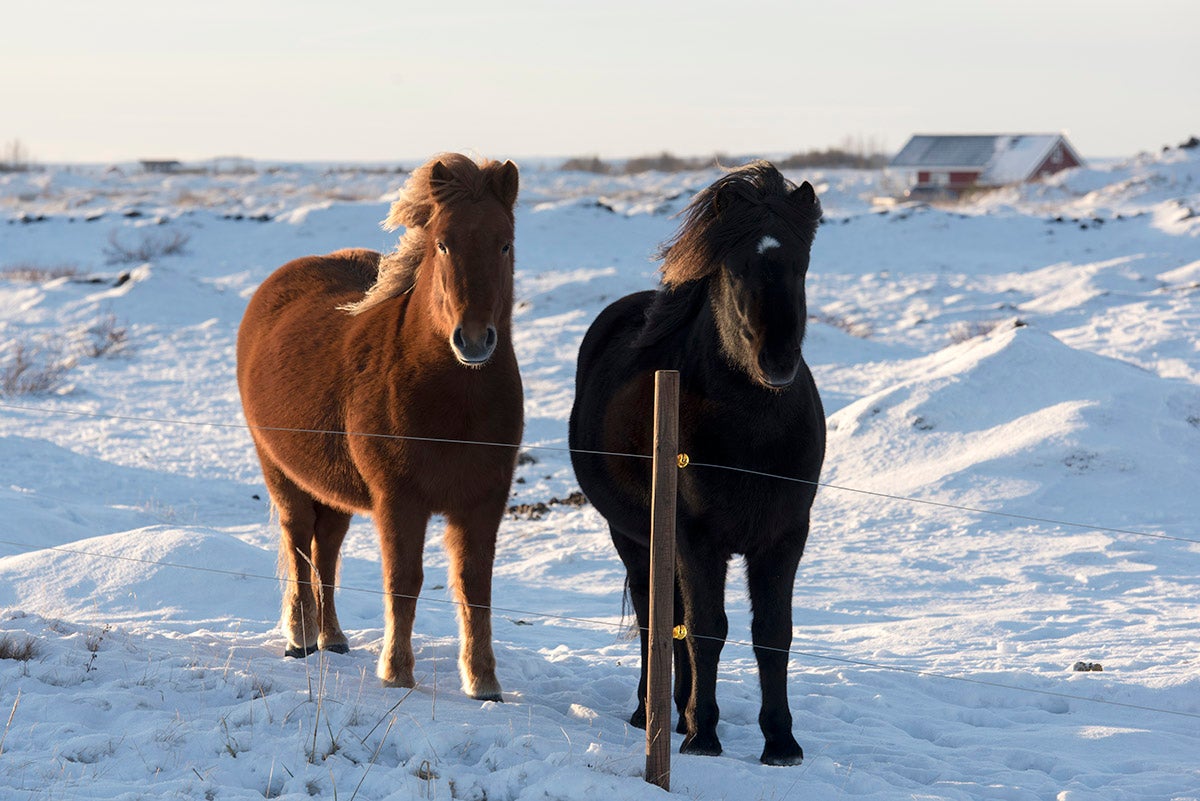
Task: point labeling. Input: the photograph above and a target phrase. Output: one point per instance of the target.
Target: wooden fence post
(662, 578)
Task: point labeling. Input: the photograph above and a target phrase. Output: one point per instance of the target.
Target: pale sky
(394, 81)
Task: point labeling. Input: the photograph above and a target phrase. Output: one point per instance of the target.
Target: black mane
(736, 209)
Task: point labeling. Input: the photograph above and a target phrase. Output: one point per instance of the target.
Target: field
(1013, 394)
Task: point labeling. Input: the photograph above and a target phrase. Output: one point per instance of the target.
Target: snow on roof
(1002, 158)
(946, 151)
(1017, 157)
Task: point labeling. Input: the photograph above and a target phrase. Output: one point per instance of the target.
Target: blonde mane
(444, 180)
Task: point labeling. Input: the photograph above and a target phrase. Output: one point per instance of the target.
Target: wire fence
(618, 454)
(924, 673)
(620, 626)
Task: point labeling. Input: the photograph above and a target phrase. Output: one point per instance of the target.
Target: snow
(1024, 364)
(1017, 157)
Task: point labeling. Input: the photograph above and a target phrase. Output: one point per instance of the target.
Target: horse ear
(505, 183)
(804, 200)
(804, 195)
(440, 177)
(722, 198)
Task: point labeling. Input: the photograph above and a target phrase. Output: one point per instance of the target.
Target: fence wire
(29, 547)
(643, 456)
(620, 626)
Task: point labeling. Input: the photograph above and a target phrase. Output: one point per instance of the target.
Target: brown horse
(355, 369)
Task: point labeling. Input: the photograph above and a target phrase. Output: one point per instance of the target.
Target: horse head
(750, 234)
(759, 299)
(459, 216)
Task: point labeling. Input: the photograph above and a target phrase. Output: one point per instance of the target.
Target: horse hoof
(400, 681)
(638, 718)
(338, 648)
(497, 697)
(782, 754)
(701, 746)
(300, 651)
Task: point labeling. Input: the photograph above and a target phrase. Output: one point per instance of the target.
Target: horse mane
(736, 208)
(670, 310)
(733, 211)
(446, 179)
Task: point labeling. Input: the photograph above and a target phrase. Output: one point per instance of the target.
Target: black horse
(729, 316)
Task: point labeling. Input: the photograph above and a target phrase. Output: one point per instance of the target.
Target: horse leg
(401, 529)
(329, 531)
(683, 668)
(637, 572)
(297, 519)
(770, 577)
(471, 545)
(701, 575)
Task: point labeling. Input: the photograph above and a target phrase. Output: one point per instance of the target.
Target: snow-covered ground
(1031, 352)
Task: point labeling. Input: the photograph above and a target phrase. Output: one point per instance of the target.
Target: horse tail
(629, 631)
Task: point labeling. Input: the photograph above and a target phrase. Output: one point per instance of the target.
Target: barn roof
(1000, 158)
(924, 150)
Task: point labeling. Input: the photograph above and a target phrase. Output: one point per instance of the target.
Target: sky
(374, 81)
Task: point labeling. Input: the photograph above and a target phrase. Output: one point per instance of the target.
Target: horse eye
(507, 247)
(442, 247)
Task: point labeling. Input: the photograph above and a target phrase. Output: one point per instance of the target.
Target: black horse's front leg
(636, 559)
(770, 577)
(701, 576)
(683, 668)
(638, 576)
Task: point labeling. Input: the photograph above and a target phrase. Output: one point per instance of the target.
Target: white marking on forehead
(766, 243)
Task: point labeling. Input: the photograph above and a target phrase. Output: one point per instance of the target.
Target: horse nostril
(473, 351)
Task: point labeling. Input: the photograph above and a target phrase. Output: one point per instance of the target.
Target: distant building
(160, 165)
(947, 164)
(232, 165)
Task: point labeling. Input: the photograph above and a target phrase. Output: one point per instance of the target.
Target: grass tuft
(152, 245)
(30, 369)
(105, 337)
(21, 649)
(92, 642)
(39, 367)
(36, 274)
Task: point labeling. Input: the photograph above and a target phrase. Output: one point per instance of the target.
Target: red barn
(950, 163)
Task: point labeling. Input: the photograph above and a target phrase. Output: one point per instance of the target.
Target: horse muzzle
(471, 351)
(778, 373)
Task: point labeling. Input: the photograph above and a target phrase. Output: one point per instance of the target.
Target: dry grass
(36, 274)
(105, 337)
(151, 245)
(93, 642)
(852, 152)
(39, 367)
(30, 369)
(7, 726)
(20, 649)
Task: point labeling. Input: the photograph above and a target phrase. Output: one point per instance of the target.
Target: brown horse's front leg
(297, 515)
(471, 545)
(329, 531)
(401, 529)
(300, 621)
